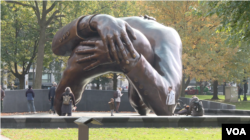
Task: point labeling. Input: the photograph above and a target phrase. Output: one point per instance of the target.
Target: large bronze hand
(113, 32)
(99, 51)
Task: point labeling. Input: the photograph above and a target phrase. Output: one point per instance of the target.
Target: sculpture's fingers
(104, 39)
(86, 51)
(131, 31)
(129, 44)
(89, 43)
(91, 66)
(113, 49)
(88, 58)
(122, 48)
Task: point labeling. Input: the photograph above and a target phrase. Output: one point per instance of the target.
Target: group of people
(195, 108)
(115, 102)
(170, 102)
(67, 99)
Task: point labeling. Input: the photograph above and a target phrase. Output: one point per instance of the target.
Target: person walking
(112, 106)
(170, 101)
(118, 99)
(67, 99)
(52, 92)
(239, 92)
(2, 96)
(30, 97)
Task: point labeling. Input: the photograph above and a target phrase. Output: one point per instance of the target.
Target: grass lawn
(244, 105)
(116, 134)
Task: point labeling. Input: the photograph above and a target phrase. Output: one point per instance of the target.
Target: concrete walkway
(91, 114)
(80, 114)
(4, 138)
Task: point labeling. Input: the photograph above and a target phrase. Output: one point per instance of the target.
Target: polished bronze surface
(148, 53)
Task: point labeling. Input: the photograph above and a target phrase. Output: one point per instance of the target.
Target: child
(112, 106)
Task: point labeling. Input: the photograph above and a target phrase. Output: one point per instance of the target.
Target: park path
(4, 138)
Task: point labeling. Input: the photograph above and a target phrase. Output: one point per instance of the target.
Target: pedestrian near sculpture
(30, 98)
(111, 106)
(170, 102)
(239, 92)
(196, 107)
(2, 97)
(52, 93)
(68, 99)
(118, 99)
(145, 51)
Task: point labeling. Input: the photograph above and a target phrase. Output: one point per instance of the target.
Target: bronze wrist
(128, 67)
(84, 29)
(94, 30)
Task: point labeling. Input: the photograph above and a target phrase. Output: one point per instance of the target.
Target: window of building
(30, 76)
(46, 78)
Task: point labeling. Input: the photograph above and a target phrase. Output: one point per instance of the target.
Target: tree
(19, 41)
(102, 80)
(44, 17)
(234, 17)
(50, 17)
(201, 45)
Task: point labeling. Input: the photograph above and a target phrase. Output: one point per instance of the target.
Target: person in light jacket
(118, 99)
(2, 96)
(170, 102)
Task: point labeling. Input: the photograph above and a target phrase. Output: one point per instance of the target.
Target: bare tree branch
(38, 12)
(44, 11)
(36, 9)
(51, 7)
(19, 3)
(32, 57)
(53, 16)
(49, 39)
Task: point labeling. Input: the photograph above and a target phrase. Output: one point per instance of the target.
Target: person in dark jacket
(2, 96)
(30, 97)
(192, 108)
(239, 92)
(52, 92)
(67, 109)
(112, 106)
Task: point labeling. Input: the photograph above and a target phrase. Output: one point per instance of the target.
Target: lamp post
(83, 129)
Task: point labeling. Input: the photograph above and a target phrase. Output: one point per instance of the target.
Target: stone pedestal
(83, 129)
(231, 94)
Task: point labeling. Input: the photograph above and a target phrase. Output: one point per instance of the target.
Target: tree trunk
(39, 62)
(224, 88)
(184, 85)
(21, 81)
(98, 84)
(114, 81)
(200, 84)
(215, 90)
(245, 89)
(33, 75)
(202, 87)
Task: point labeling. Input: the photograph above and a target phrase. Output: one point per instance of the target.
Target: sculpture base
(214, 119)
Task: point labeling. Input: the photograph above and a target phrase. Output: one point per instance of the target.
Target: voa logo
(236, 131)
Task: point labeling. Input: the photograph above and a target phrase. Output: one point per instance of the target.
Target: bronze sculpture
(148, 53)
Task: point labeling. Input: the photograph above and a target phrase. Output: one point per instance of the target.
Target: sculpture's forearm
(150, 85)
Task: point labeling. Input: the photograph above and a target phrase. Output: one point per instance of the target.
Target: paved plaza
(77, 114)
(90, 114)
